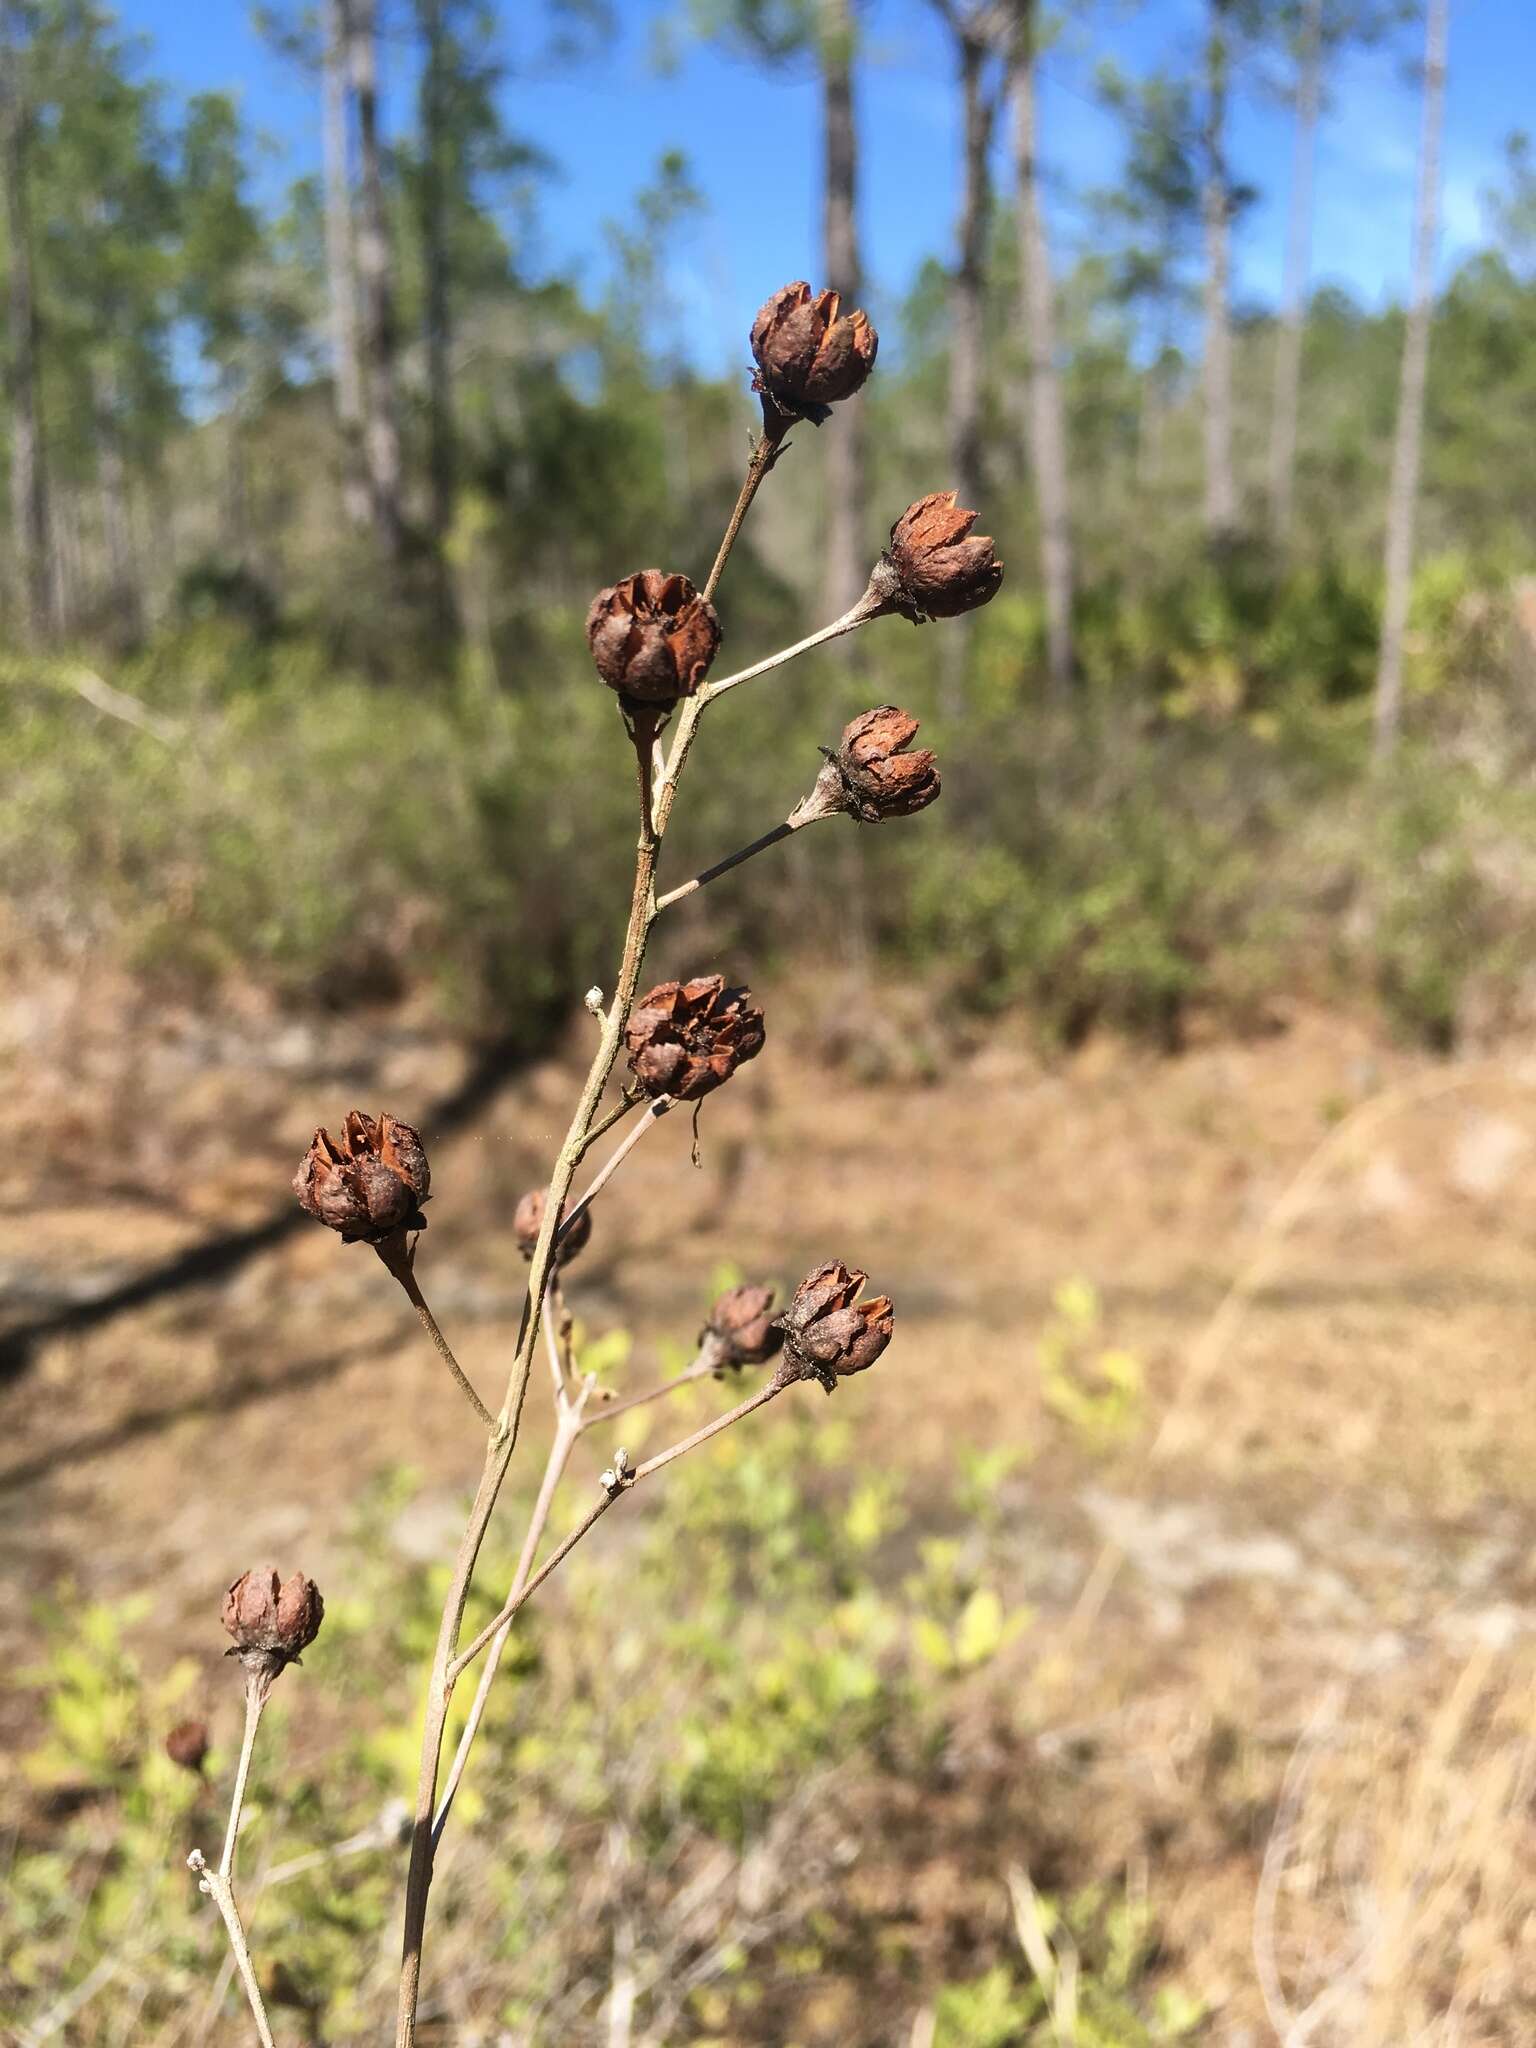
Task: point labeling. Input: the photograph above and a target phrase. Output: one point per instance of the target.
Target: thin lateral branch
(568, 1426)
(614, 1161)
(703, 1367)
(868, 607)
(219, 1884)
(555, 1350)
(733, 860)
(396, 1259)
(605, 1124)
(595, 1514)
(753, 1402)
(100, 695)
(765, 453)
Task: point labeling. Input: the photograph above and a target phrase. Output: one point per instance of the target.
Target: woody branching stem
(653, 638)
(400, 1261)
(571, 1422)
(503, 1439)
(568, 1427)
(220, 1884)
(656, 801)
(595, 1514)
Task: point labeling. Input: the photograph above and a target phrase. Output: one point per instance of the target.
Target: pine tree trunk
(381, 432)
(967, 342)
(1403, 492)
(29, 475)
(1216, 207)
(846, 570)
(1298, 240)
(1047, 412)
(237, 477)
(437, 311)
(112, 486)
(340, 269)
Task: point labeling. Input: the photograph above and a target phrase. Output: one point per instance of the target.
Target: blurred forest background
(1145, 1652)
(272, 470)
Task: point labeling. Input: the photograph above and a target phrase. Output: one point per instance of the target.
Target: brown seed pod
(809, 352)
(187, 1744)
(653, 637)
(741, 1330)
(941, 570)
(271, 1620)
(686, 1037)
(528, 1221)
(828, 1332)
(871, 775)
(370, 1184)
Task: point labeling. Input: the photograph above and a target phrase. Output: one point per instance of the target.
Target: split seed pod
(941, 570)
(809, 352)
(687, 1037)
(741, 1330)
(369, 1185)
(653, 637)
(829, 1332)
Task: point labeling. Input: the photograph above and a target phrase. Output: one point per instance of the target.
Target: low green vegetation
(680, 1782)
(1194, 835)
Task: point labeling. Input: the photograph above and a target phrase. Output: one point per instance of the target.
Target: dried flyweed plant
(654, 638)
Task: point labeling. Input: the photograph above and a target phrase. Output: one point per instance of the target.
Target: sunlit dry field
(1278, 1673)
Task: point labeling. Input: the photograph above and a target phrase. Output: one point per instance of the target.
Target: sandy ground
(1322, 1250)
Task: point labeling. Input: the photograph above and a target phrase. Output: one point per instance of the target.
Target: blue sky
(751, 139)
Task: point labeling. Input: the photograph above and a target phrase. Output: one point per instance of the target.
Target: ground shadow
(216, 1258)
(221, 1399)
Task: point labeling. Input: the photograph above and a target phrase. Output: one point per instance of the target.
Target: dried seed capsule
(741, 1330)
(528, 1220)
(809, 352)
(370, 1184)
(872, 776)
(653, 637)
(828, 1332)
(941, 570)
(271, 1620)
(187, 1744)
(686, 1037)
